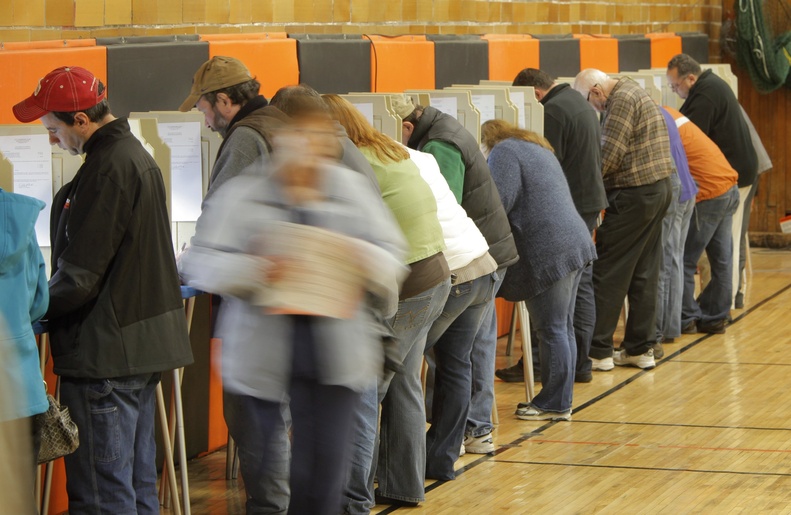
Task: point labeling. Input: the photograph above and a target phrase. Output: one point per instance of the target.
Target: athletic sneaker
(479, 444)
(462, 450)
(526, 411)
(644, 361)
(603, 365)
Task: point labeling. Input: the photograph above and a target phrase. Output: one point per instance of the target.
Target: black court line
(750, 363)
(628, 381)
(659, 469)
(700, 426)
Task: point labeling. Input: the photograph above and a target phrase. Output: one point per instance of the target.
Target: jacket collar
(115, 129)
(556, 89)
(256, 103)
(423, 125)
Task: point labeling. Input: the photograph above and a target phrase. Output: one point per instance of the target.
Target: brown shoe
(717, 327)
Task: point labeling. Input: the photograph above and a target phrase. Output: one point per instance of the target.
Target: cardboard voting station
(377, 110)
(456, 103)
(192, 151)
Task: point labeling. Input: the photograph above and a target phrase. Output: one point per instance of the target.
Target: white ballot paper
(314, 272)
(31, 156)
(518, 98)
(447, 105)
(367, 109)
(186, 183)
(485, 105)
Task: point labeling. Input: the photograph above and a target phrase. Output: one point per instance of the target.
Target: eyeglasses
(675, 85)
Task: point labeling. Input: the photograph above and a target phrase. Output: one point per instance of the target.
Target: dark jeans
(552, 313)
(321, 423)
(585, 309)
(113, 470)
(452, 337)
(710, 230)
(629, 249)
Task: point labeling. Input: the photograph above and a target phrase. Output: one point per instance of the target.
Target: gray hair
(588, 78)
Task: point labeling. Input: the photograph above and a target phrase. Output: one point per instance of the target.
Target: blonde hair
(362, 133)
(495, 131)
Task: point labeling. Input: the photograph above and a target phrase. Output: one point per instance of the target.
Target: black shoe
(512, 374)
(738, 302)
(583, 377)
(659, 352)
(690, 328)
(380, 499)
(667, 340)
(717, 327)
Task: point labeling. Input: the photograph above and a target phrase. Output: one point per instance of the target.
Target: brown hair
(362, 133)
(495, 131)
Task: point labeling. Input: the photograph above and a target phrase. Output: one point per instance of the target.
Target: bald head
(588, 78)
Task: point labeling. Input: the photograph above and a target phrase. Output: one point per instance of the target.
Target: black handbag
(59, 434)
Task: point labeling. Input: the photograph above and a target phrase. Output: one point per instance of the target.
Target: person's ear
(407, 128)
(81, 120)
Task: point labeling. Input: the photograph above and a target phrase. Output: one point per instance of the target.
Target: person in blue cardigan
(555, 245)
(24, 299)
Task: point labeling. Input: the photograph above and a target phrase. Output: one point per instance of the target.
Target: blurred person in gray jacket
(316, 362)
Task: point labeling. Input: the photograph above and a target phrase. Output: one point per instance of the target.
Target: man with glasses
(711, 105)
(636, 166)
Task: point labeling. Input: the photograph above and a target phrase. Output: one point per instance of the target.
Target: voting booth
(455, 103)
(377, 110)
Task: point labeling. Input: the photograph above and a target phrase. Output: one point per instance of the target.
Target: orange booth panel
(504, 311)
(273, 62)
(663, 47)
(598, 52)
(30, 66)
(510, 53)
(401, 63)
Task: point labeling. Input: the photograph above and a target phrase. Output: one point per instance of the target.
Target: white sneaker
(462, 451)
(603, 365)
(479, 444)
(644, 361)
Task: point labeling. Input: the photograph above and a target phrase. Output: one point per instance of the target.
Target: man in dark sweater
(572, 128)
(116, 318)
(711, 105)
(228, 96)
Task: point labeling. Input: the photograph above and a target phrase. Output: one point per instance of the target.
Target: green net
(763, 44)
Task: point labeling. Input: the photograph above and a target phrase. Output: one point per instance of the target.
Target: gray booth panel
(152, 76)
(696, 45)
(459, 60)
(334, 65)
(559, 56)
(634, 53)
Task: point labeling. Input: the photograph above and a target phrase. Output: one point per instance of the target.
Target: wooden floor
(707, 431)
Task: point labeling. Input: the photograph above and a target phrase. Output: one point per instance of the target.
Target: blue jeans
(483, 356)
(710, 230)
(399, 463)
(452, 337)
(552, 315)
(675, 228)
(585, 309)
(114, 469)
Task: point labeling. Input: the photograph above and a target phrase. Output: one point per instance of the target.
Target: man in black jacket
(572, 128)
(115, 316)
(711, 105)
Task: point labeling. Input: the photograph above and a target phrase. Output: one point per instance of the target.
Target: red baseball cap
(66, 90)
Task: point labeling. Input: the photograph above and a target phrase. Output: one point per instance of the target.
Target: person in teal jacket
(24, 299)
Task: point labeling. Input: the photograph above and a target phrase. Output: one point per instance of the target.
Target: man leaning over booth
(116, 319)
(228, 96)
